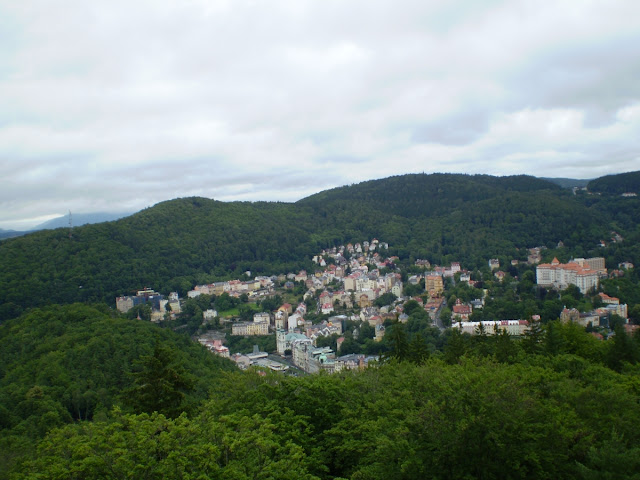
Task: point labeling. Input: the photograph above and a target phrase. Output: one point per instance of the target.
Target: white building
(561, 275)
(512, 327)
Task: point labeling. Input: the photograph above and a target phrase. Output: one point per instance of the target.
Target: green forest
(87, 392)
(87, 395)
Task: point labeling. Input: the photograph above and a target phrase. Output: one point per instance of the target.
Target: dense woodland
(86, 395)
(89, 393)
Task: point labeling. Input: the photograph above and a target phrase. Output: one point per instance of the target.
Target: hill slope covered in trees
(73, 363)
(178, 243)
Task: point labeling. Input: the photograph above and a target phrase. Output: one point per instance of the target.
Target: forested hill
(446, 217)
(62, 364)
(167, 247)
(616, 184)
(178, 243)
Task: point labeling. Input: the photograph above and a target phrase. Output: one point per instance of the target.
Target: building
(216, 347)
(512, 327)
(250, 328)
(261, 317)
(461, 311)
(142, 297)
(561, 275)
(595, 263)
(354, 361)
(284, 340)
(434, 284)
(312, 359)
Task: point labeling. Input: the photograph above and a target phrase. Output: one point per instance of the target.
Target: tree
(417, 351)
(445, 316)
(398, 342)
(623, 350)
(553, 338)
(482, 342)
(160, 383)
(385, 299)
(533, 338)
(506, 349)
(455, 348)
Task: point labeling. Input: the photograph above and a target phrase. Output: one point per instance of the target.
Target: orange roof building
(561, 275)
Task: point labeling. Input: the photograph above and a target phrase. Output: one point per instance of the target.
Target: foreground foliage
(552, 418)
(75, 363)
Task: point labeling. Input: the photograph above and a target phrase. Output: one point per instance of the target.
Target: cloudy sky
(117, 105)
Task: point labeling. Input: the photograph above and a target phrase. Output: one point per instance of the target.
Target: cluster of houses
(595, 318)
(357, 281)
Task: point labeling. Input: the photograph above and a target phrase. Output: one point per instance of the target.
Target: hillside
(68, 363)
(167, 247)
(616, 184)
(446, 217)
(175, 244)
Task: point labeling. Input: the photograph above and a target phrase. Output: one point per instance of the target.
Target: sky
(118, 105)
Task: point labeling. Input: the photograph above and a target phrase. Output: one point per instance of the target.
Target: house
(286, 307)
(312, 359)
(326, 308)
(494, 263)
(368, 312)
(500, 275)
(323, 329)
(570, 315)
(607, 300)
(460, 311)
(242, 361)
(215, 346)
(364, 301)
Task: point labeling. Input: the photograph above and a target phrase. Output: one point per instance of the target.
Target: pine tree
(160, 383)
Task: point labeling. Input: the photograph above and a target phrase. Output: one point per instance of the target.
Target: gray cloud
(118, 105)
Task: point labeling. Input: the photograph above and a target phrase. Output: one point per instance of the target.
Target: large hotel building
(584, 273)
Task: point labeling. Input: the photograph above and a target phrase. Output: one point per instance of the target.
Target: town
(356, 290)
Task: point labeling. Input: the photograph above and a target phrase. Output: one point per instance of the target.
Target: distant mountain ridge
(79, 219)
(568, 182)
